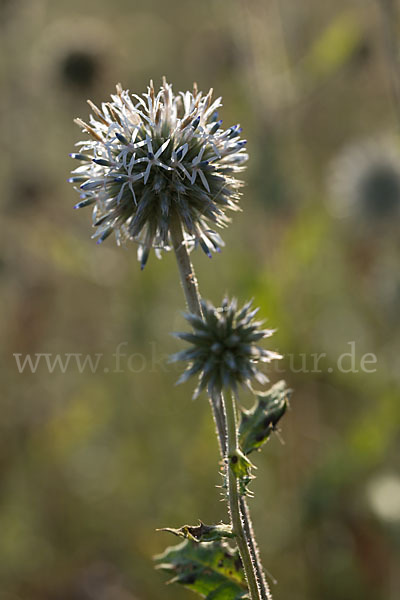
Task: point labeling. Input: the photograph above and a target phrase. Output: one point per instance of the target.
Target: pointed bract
(224, 347)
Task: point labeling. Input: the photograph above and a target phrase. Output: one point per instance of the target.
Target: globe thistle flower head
(224, 348)
(365, 182)
(151, 158)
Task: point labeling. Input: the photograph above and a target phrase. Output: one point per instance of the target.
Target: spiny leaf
(259, 422)
(241, 466)
(212, 569)
(202, 532)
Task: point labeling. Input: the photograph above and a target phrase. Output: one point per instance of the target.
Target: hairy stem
(234, 497)
(191, 291)
(245, 512)
(186, 272)
(219, 418)
(246, 518)
(251, 540)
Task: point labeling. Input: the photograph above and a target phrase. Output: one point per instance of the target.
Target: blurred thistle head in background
(74, 55)
(80, 67)
(224, 348)
(155, 157)
(364, 182)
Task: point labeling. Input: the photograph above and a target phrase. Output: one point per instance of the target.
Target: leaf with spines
(257, 424)
(241, 466)
(212, 569)
(202, 532)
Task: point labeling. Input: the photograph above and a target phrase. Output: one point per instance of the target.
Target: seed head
(224, 348)
(154, 156)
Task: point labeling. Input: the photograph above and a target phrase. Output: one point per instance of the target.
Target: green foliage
(336, 46)
(202, 532)
(241, 466)
(259, 422)
(212, 569)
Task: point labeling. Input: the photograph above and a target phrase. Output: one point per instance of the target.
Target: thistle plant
(160, 170)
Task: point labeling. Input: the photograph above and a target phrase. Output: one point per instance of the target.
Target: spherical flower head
(365, 182)
(155, 157)
(224, 348)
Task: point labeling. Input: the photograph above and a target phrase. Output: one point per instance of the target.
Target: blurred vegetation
(92, 463)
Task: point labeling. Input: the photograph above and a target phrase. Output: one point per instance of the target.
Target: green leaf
(212, 569)
(241, 466)
(202, 532)
(259, 422)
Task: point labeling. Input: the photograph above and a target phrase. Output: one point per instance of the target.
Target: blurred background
(92, 462)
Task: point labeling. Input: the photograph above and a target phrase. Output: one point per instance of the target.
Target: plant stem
(219, 419)
(234, 497)
(191, 291)
(245, 512)
(186, 272)
(251, 540)
(246, 518)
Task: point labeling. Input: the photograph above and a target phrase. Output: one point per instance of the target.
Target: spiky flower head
(224, 348)
(153, 157)
(364, 181)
